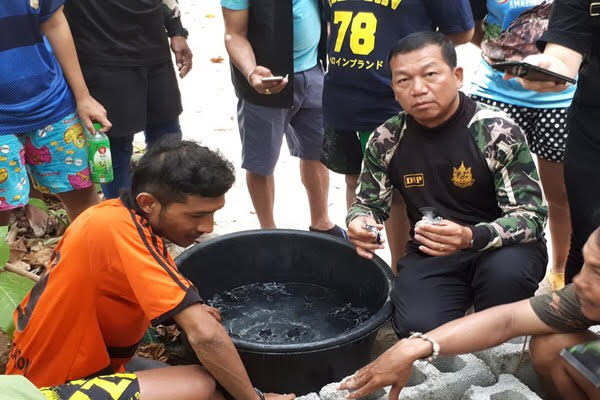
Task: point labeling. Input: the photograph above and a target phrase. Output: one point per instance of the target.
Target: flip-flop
(334, 231)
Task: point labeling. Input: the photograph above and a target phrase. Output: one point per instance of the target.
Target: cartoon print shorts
(55, 156)
(123, 386)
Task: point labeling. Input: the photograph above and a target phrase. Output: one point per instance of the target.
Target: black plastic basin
(285, 256)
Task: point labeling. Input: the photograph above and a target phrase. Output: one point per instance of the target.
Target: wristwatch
(261, 395)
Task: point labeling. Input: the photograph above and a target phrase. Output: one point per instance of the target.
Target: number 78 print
(363, 26)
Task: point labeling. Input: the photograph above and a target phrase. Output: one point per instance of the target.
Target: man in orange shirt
(111, 276)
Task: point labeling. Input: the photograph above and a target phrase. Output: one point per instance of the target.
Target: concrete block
(310, 396)
(504, 359)
(447, 378)
(507, 388)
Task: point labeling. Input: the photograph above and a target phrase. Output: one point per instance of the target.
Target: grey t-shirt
(561, 310)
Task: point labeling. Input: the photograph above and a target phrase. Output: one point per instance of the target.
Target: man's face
(587, 282)
(425, 86)
(182, 223)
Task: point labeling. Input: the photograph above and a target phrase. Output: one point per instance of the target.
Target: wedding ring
(267, 91)
(441, 247)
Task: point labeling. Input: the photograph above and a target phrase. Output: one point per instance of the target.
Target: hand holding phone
(531, 72)
(273, 78)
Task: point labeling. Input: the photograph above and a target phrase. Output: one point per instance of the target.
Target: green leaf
(4, 247)
(13, 289)
(38, 203)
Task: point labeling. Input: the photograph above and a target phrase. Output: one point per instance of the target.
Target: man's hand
(214, 312)
(265, 87)
(363, 238)
(391, 368)
(548, 62)
(183, 55)
(89, 110)
(444, 239)
(275, 396)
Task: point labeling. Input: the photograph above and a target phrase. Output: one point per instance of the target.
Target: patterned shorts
(110, 387)
(56, 158)
(546, 128)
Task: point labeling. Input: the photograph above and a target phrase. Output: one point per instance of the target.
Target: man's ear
(458, 75)
(147, 202)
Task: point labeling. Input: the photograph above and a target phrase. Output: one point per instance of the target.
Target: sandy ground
(210, 117)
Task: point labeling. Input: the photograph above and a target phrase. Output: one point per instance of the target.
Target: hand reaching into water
(214, 312)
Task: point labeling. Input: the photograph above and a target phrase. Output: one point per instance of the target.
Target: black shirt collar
(466, 108)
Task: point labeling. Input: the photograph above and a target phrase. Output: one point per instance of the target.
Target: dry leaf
(19, 245)
(40, 257)
(12, 234)
(217, 60)
(153, 350)
(168, 333)
(36, 245)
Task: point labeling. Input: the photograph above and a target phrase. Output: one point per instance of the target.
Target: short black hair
(173, 169)
(419, 40)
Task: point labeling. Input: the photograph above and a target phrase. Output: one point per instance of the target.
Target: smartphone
(531, 72)
(585, 358)
(273, 78)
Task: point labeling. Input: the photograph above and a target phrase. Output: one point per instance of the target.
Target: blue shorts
(56, 158)
(262, 128)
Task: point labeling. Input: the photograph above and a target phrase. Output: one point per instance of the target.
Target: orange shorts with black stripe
(109, 387)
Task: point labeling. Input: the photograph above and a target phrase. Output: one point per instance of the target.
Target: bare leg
(182, 382)
(397, 229)
(38, 219)
(315, 178)
(544, 351)
(77, 201)
(552, 177)
(351, 184)
(5, 217)
(262, 193)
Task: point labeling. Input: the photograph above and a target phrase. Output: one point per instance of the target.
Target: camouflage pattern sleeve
(561, 310)
(170, 9)
(374, 190)
(516, 180)
(172, 18)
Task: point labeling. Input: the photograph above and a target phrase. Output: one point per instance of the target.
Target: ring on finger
(267, 91)
(441, 247)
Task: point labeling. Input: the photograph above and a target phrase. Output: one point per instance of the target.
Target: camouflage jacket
(172, 17)
(505, 151)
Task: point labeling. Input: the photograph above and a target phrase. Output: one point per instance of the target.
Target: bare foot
(38, 220)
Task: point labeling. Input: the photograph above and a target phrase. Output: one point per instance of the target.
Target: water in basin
(281, 313)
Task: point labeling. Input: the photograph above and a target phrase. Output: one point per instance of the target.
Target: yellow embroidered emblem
(462, 176)
(414, 180)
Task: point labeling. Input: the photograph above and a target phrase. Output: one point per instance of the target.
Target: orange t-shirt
(109, 277)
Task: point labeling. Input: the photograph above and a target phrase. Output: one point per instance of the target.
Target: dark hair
(172, 169)
(419, 40)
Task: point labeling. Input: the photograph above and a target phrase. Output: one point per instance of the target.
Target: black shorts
(134, 96)
(342, 152)
(110, 387)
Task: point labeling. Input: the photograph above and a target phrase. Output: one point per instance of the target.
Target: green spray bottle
(101, 169)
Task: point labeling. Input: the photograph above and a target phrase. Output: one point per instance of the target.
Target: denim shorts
(262, 128)
(55, 156)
